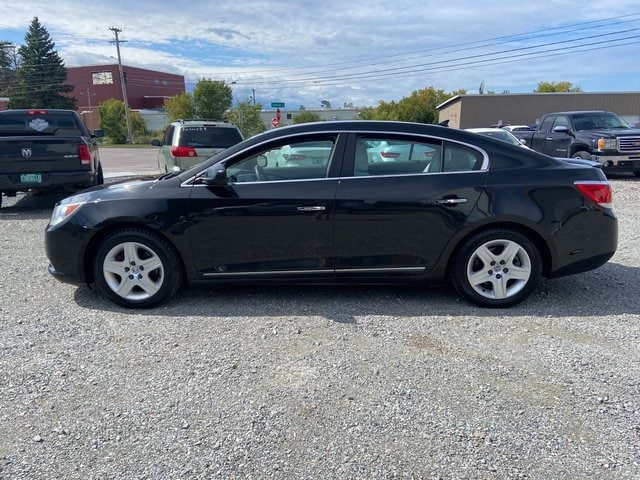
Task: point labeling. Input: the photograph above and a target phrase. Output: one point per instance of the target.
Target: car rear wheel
(137, 269)
(497, 268)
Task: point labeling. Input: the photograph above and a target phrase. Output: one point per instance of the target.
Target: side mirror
(216, 175)
(98, 133)
(156, 143)
(561, 129)
(523, 141)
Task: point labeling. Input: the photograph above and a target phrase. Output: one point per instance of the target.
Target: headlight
(607, 144)
(62, 212)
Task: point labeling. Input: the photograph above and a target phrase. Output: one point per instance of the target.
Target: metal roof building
(468, 111)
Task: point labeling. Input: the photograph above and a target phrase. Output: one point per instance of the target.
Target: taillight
(389, 154)
(37, 112)
(599, 193)
(184, 152)
(85, 154)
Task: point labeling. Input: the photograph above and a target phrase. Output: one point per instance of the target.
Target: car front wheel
(497, 268)
(137, 269)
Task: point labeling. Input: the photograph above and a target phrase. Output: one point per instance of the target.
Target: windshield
(598, 121)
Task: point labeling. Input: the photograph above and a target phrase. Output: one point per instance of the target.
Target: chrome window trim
(483, 168)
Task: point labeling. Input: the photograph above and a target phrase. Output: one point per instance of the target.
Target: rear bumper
(10, 182)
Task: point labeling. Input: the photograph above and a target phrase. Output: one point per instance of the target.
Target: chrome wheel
(499, 269)
(133, 271)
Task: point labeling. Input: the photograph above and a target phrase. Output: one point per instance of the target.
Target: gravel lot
(318, 382)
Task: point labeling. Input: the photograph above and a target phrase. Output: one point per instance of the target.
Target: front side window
(304, 160)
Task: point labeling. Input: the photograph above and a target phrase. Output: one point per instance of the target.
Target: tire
(135, 268)
(496, 268)
(582, 154)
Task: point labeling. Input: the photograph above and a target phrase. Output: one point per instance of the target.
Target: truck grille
(629, 144)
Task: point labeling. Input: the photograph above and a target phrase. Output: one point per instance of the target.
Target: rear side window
(458, 158)
(59, 125)
(209, 137)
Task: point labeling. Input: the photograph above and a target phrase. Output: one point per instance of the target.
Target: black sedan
(489, 217)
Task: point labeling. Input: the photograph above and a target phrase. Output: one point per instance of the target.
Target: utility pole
(116, 31)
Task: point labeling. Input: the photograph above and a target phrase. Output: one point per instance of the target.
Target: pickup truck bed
(46, 149)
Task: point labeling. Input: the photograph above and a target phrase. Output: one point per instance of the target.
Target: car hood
(121, 190)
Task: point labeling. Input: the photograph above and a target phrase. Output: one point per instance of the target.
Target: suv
(188, 142)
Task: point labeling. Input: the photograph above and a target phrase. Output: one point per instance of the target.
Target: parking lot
(317, 382)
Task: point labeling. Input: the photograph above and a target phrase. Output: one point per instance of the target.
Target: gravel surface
(318, 382)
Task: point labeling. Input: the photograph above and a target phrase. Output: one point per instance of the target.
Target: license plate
(31, 177)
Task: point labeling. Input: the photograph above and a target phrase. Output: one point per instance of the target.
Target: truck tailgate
(40, 154)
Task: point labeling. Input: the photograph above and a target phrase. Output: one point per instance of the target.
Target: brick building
(146, 89)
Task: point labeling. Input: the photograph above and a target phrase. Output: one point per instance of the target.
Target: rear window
(39, 124)
(209, 137)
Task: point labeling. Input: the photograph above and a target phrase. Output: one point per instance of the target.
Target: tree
(212, 98)
(40, 74)
(306, 117)
(114, 123)
(180, 106)
(420, 107)
(544, 87)
(246, 117)
(8, 66)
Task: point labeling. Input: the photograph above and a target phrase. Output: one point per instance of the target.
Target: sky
(350, 52)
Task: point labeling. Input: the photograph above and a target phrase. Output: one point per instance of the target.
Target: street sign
(274, 122)
(277, 104)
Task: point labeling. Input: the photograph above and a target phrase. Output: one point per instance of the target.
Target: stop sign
(274, 122)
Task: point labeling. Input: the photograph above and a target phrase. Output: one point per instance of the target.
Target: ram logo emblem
(26, 152)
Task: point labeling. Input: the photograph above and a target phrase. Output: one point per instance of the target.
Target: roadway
(128, 161)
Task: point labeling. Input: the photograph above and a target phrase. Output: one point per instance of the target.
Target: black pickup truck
(591, 135)
(45, 149)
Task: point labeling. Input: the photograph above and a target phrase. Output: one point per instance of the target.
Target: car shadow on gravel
(610, 290)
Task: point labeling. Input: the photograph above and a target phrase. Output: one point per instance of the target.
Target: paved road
(122, 162)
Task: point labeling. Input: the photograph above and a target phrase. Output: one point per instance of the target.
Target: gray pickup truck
(44, 149)
(591, 135)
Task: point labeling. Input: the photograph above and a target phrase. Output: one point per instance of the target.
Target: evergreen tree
(40, 74)
(8, 64)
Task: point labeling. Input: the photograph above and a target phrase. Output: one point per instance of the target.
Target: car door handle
(549, 139)
(451, 201)
(315, 208)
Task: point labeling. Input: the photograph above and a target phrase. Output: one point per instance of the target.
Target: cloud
(359, 52)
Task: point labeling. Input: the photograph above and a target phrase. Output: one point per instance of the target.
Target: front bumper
(619, 163)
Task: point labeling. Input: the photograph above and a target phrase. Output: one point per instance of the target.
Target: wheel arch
(92, 248)
(535, 237)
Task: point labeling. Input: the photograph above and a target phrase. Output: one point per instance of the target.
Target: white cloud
(341, 50)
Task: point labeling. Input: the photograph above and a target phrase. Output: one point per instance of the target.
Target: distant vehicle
(43, 149)
(499, 134)
(591, 135)
(304, 154)
(487, 216)
(519, 128)
(188, 142)
(398, 151)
